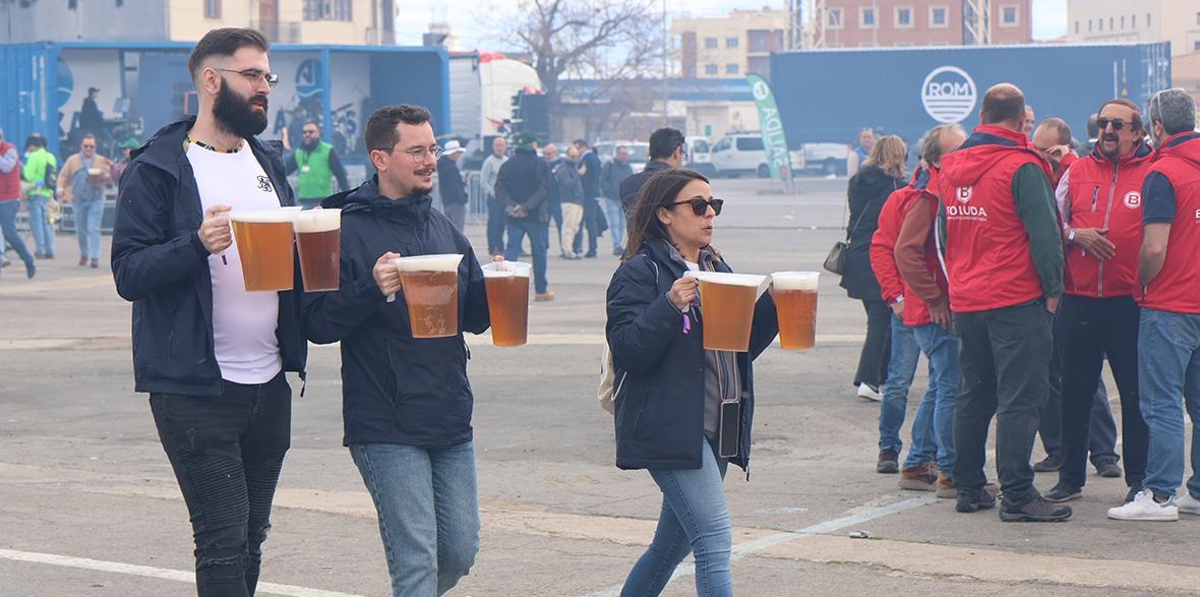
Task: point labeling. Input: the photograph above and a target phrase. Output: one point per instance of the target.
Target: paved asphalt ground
(89, 506)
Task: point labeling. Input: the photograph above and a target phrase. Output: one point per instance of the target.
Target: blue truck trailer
(831, 95)
(144, 86)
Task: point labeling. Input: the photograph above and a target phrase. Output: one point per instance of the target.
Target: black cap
(93, 89)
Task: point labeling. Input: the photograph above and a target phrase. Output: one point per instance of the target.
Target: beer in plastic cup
(727, 305)
(508, 301)
(795, 295)
(264, 244)
(318, 237)
(94, 175)
(430, 284)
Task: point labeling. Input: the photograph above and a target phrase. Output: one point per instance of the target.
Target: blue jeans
(694, 519)
(539, 240)
(87, 227)
(1168, 369)
(615, 212)
(940, 346)
(901, 369)
(8, 224)
(428, 507)
(39, 222)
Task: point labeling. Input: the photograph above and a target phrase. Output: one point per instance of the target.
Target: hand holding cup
(215, 233)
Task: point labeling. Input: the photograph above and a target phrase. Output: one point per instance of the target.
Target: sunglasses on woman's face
(700, 206)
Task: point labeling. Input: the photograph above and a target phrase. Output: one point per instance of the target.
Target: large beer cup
(508, 301)
(727, 304)
(795, 295)
(264, 244)
(430, 284)
(319, 237)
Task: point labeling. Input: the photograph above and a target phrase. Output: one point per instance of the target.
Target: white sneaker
(1143, 507)
(865, 391)
(1187, 504)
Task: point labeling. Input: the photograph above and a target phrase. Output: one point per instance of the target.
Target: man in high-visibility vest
(318, 165)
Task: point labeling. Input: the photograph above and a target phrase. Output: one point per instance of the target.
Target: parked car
(742, 152)
(638, 152)
(825, 158)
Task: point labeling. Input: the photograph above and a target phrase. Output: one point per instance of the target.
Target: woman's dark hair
(660, 191)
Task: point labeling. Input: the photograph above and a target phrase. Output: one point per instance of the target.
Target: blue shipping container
(144, 86)
(830, 95)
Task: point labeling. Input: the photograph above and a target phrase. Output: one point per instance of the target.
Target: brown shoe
(917, 478)
(543, 296)
(95, 263)
(945, 488)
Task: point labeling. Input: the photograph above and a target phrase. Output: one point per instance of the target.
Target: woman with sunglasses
(670, 390)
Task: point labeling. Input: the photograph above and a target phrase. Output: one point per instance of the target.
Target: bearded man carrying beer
(406, 400)
(211, 355)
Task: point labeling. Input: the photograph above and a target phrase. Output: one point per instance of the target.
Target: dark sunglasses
(1103, 123)
(700, 206)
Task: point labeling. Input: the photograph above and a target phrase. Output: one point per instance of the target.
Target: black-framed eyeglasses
(700, 206)
(419, 154)
(1116, 123)
(254, 75)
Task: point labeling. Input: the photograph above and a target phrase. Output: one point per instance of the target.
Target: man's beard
(310, 145)
(1116, 152)
(236, 114)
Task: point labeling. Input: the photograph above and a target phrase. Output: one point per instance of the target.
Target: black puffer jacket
(659, 366)
(397, 389)
(868, 191)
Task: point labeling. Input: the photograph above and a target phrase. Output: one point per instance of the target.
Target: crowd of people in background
(1019, 264)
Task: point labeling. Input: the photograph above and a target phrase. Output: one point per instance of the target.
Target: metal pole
(666, 59)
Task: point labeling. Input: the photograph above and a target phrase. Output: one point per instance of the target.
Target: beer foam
(505, 269)
(730, 279)
(318, 220)
(795, 280)
(442, 262)
(266, 216)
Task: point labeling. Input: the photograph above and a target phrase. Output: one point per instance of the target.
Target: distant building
(730, 46)
(884, 23)
(332, 22)
(1108, 21)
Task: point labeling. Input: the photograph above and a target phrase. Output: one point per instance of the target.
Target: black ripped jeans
(227, 452)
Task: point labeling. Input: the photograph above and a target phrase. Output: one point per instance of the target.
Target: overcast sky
(472, 20)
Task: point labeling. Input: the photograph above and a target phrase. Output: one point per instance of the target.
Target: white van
(743, 153)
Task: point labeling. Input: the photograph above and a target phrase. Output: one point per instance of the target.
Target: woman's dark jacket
(659, 367)
(868, 191)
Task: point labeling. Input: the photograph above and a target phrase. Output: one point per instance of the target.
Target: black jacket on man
(591, 177)
(614, 173)
(397, 389)
(659, 365)
(525, 180)
(160, 264)
(633, 184)
(450, 182)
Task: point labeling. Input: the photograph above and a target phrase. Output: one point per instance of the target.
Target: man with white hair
(1169, 329)
(450, 184)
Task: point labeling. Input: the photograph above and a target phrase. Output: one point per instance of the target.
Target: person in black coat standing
(590, 170)
(450, 184)
(879, 176)
(671, 393)
(523, 185)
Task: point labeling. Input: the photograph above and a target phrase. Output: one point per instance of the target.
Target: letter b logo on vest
(963, 194)
(1133, 200)
(948, 94)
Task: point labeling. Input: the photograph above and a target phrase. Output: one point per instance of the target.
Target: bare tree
(612, 41)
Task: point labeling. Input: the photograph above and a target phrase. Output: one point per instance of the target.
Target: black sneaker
(973, 501)
(1108, 469)
(1035, 510)
(888, 462)
(1050, 464)
(1062, 493)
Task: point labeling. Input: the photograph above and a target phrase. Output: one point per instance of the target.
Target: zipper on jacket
(1112, 189)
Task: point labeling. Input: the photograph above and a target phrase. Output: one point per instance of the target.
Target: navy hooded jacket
(160, 265)
(397, 389)
(659, 367)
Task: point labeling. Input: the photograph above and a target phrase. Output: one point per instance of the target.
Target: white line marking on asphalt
(742, 550)
(150, 572)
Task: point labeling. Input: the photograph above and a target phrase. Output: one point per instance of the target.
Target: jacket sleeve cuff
(201, 251)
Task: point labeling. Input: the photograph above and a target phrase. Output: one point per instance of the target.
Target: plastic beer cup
(727, 305)
(795, 295)
(318, 238)
(430, 284)
(264, 244)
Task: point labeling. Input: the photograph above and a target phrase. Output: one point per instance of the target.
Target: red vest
(10, 182)
(1101, 194)
(1177, 286)
(1068, 160)
(988, 258)
(883, 248)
